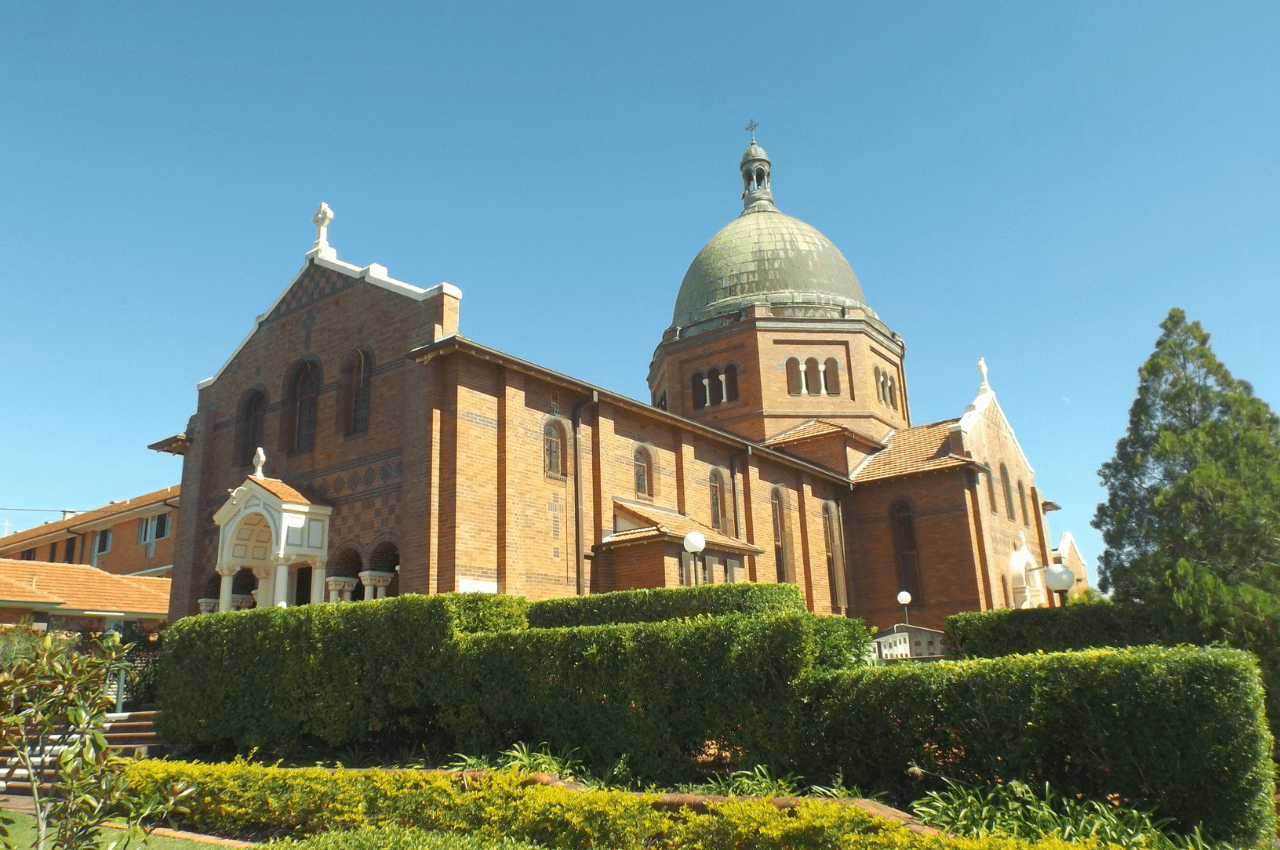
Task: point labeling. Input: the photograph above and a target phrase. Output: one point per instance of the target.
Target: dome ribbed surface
(766, 257)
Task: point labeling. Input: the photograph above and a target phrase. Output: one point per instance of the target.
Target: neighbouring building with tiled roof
(128, 537)
(356, 445)
(78, 597)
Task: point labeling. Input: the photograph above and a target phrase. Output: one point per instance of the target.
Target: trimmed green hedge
(275, 678)
(1180, 731)
(667, 603)
(654, 693)
(404, 670)
(394, 809)
(1006, 631)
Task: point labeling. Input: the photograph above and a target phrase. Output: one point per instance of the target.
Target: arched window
(553, 454)
(881, 392)
(1022, 500)
(644, 473)
(990, 475)
(1008, 491)
(717, 500)
(904, 547)
(831, 372)
(780, 549)
(795, 381)
(812, 376)
(698, 383)
(893, 392)
(715, 389)
(303, 395)
(253, 416)
(357, 375)
(835, 554)
(731, 382)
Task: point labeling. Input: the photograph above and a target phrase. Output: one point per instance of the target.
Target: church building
(357, 445)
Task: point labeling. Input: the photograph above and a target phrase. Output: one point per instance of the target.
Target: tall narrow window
(731, 383)
(1022, 500)
(553, 450)
(69, 554)
(698, 383)
(357, 375)
(990, 475)
(835, 555)
(831, 372)
(1008, 491)
(253, 415)
(795, 381)
(717, 501)
(715, 389)
(304, 393)
(779, 535)
(904, 545)
(644, 474)
(812, 376)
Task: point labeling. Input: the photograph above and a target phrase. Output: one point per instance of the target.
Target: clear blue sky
(1035, 183)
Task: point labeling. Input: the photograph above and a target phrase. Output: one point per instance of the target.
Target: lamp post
(694, 543)
(904, 599)
(1059, 578)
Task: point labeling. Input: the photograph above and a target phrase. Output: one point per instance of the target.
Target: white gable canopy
(270, 528)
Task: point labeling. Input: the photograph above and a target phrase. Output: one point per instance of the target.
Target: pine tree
(1195, 482)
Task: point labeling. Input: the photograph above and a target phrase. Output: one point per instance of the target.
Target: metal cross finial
(751, 127)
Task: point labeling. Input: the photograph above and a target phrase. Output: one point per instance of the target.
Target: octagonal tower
(771, 330)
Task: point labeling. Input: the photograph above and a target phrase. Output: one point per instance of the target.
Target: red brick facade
(461, 467)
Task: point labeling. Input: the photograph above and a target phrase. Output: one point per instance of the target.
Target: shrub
(403, 809)
(398, 838)
(654, 694)
(1179, 732)
(1007, 631)
(278, 677)
(667, 603)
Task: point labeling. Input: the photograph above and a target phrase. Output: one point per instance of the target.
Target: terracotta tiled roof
(105, 512)
(923, 448)
(282, 491)
(79, 587)
(661, 522)
(807, 431)
(14, 591)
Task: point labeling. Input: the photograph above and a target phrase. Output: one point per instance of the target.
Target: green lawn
(23, 835)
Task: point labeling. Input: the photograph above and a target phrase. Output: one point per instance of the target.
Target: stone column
(378, 580)
(317, 581)
(281, 586)
(340, 588)
(263, 595)
(228, 572)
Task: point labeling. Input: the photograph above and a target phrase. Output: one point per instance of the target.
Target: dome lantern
(755, 167)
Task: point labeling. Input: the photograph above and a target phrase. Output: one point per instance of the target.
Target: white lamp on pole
(694, 543)
(1059, 578)
(904, 599)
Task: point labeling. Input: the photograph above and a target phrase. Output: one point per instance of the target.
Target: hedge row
(654, 694)
(1179, 731)
(392, 809)
(275, 677)
(667, 603)
(1007, 631)
(406, 669)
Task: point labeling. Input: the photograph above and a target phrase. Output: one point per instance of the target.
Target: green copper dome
(764, 257)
